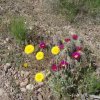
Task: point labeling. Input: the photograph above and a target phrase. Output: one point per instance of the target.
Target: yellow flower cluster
(39, 77)
(40, 55)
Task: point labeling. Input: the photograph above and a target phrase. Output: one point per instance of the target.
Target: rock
(6, 67)
(7, 39)
(40, 84)
(1, 91)
(24, 83)
(23, 89)
(3, 94)
(25, 74)
(7, 84)
(9, 47)
(39, 90)
(30, 87)
(39, 97)
(17, 82)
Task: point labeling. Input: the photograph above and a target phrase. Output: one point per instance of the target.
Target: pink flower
(61, 46)
(67, 40)
(63, 64)
(54, 67)
(76, 55)
(75, 36)
(78, 48)
(42, 45)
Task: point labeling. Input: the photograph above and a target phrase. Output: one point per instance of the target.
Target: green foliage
(77, 77)
(72, 8)
(91, 83)
(18, 29)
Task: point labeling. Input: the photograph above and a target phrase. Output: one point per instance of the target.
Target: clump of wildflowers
(67, 67)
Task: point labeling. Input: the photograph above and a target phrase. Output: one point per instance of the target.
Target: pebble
(23, 89)
(7, 66)
(24, 83)
(1, 91)
(25, 74)
(30, 87)
(3, 94)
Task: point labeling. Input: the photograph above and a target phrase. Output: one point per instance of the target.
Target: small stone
(17, 82)
(9, 47)
(39, 97)
(7, 39)
(30, 87)
(39, 90)
(1, 91)
(5, 42)
(7, 66)
(23, 89)
(7, 84)
(40, 84)
(25, 74)
(30, 27)
(3, 94)
(24, 83)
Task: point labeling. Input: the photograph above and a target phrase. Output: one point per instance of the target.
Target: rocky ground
(15, 83)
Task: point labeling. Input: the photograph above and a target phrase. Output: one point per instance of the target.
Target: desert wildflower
(67, 40)
(25, 65)
(54, 67)
(61, 46)
(74, 36)
(76, 55)
(55, 50)
(63, 64)
(39, 55)
(39, 77)
(42, 45)
(29, 49)
(78, 48)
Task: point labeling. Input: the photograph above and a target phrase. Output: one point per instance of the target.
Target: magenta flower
(63, 64)
(61, 46)
(78, 48)
(67, 40)
(76, 55)
(54, 67)
(75, 36)
(42, 45)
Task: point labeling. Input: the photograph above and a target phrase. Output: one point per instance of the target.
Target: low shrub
(72, 8)
(18, 29)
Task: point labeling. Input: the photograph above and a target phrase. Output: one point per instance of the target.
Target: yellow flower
(39, 77)
(40, 55)
(29, 49)
(55, 50)
(25, 65)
